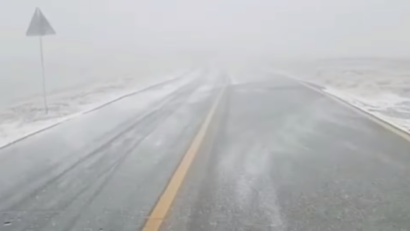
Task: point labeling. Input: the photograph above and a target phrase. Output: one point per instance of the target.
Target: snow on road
(28, 117)
(378, 86)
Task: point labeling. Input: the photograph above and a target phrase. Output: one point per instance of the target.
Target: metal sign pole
(39, 26)
(43, 74)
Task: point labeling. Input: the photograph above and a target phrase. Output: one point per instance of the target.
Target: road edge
(380, 121)
(73, 116)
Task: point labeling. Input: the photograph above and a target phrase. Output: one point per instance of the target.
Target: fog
(105, 38)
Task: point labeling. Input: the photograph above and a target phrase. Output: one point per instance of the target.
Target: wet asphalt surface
(278, 156)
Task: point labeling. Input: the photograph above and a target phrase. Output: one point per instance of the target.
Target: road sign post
(39, 26)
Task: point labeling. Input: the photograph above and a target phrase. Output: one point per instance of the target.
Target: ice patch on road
(29, 117)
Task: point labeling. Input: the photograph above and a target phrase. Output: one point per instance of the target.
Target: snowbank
(378, 86)
(29, 117)
(386, 106)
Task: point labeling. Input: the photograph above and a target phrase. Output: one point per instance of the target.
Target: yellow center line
(164, 203)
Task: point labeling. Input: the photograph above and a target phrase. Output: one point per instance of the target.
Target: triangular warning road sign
(39, 25)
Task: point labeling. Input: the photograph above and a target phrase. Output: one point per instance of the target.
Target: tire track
(100, 153)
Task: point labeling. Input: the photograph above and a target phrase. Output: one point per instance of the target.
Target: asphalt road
(276, 156)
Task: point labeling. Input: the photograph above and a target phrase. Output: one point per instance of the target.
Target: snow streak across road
(214, 153)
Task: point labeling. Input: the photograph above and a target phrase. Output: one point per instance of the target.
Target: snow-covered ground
(378, 86)
(28, 117)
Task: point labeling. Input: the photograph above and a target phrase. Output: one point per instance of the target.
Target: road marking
(385, 124)
(164, 203)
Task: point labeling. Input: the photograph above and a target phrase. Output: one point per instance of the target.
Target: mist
(105, 38)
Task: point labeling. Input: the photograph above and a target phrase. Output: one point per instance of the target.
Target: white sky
(272, 27)
(110, 38)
